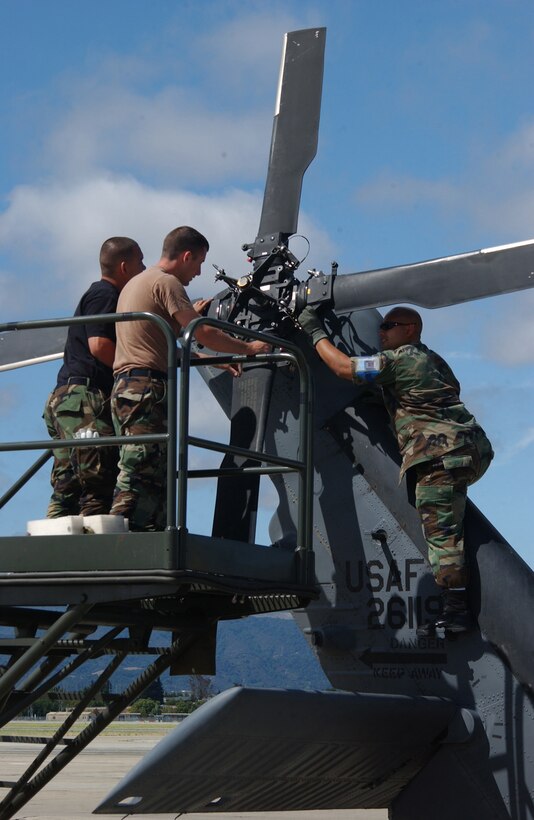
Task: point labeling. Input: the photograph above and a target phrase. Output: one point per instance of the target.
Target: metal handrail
(178, 468)
(25, 477)
(291, 353)
(105, 441)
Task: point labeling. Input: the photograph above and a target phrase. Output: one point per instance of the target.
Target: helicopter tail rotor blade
(441, 282)
(19, 348)
(295, 129)
(293, 147)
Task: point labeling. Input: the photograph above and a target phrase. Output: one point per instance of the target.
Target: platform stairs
(68, 599)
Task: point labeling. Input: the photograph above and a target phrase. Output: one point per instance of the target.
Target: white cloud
(496, 195)
(496, 199)
(169, 134)
(469, 46)
(67, 223)
(9, 399)
(127, 139)
(395, 190)
(517, 152)
(235, 51)
(511, 451)
(510, 339)
(202, 114)
(446, 325)
(462, 355)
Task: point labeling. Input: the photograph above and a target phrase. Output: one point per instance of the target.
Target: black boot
(455, 617)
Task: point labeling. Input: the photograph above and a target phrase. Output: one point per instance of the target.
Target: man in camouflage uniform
(138, 399)
(83, 479)
(438, 439)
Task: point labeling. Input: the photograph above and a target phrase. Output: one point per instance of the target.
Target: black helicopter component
(275, 305)
(293, 146)
(266, 299)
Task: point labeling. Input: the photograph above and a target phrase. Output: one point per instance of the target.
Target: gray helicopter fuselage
(376, 585)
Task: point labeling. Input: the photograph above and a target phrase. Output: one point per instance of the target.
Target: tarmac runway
(86, 781)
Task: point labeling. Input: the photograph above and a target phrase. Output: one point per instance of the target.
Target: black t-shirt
(101, 297)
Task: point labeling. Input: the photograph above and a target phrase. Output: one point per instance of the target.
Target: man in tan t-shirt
(140, 368)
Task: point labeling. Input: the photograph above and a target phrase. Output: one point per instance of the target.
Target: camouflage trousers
(138, 405)
(83, 479)
(440, 498)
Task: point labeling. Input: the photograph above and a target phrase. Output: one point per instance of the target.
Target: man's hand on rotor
(312, 325)
(201, 305)
(253, 348)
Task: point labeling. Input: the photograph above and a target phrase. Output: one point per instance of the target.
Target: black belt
(85, 380)
(143, 371)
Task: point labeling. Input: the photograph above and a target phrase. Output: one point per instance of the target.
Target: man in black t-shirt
(83, 479)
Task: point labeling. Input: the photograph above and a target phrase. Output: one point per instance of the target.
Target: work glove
(312, 325)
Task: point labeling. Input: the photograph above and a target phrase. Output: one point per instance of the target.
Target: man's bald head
(405, 314)
(401, 326)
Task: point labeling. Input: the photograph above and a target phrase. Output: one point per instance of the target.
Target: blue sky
(131, 117)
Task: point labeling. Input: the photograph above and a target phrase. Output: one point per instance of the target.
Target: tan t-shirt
(142, 344)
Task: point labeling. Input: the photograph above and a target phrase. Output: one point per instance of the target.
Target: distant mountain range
(260, 650)
(266, 651)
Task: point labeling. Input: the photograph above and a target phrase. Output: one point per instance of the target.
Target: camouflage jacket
(422, 396)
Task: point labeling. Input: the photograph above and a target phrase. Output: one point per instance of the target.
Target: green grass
(46, 728)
